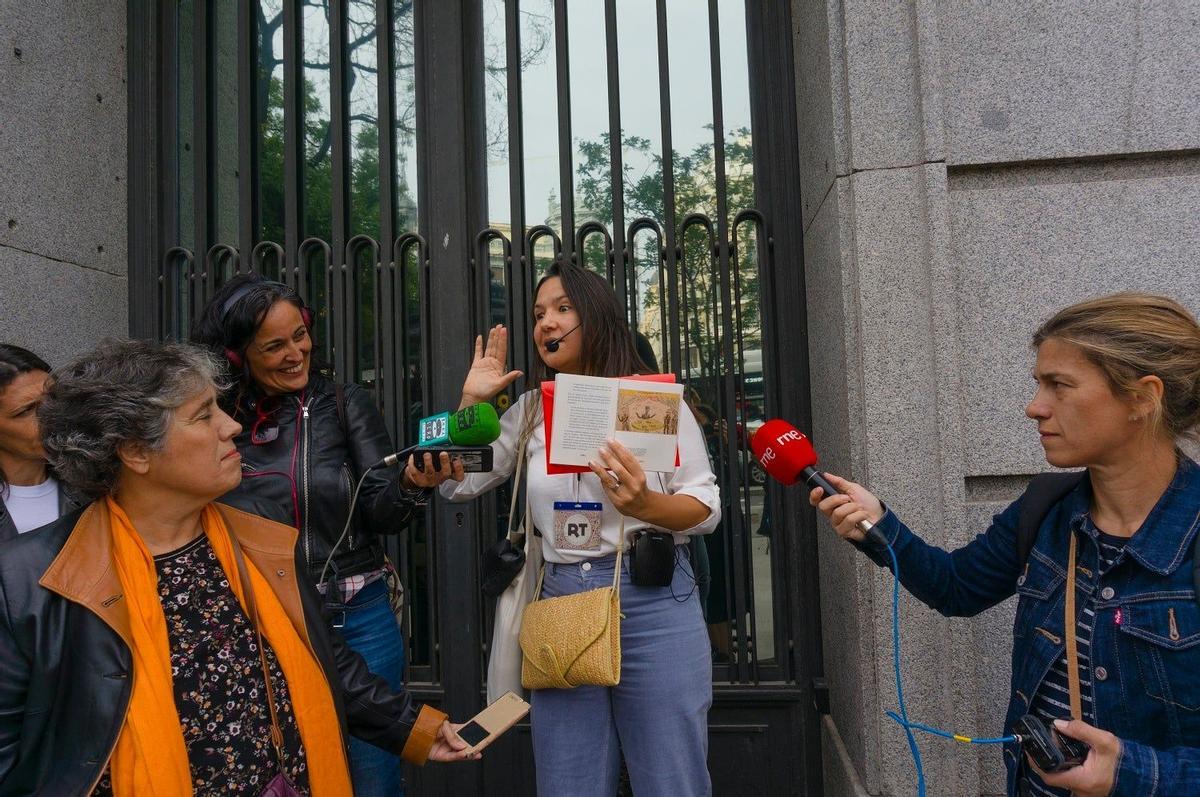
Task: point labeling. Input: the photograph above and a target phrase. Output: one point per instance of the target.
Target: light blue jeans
(370, 630)
(658, 714)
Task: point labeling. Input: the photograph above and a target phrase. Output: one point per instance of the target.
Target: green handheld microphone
(466, 434)
(476, 425)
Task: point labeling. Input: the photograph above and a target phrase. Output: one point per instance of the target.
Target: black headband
(245, 290)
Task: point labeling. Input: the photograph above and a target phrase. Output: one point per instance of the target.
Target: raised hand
(488, 375)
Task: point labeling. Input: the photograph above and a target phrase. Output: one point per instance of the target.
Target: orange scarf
(150, 759)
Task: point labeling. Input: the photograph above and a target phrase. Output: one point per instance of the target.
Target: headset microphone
(786, 454)
(553, 343)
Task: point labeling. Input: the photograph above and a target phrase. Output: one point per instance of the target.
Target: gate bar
(339, 185)
(522, 258)
(201, 145)
(616, 137)
(562, 67)
(387, 378)
(671, 249)
(248, 128)
(293, 83)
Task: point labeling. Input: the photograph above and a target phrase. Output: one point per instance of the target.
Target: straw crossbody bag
(573, 640)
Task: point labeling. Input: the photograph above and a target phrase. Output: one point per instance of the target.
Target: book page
(584, 409)
(646, 421)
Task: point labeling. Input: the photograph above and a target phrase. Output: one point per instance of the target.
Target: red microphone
(785, 453)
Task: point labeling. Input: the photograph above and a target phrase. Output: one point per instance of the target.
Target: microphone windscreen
(782, 450)
(477, 425)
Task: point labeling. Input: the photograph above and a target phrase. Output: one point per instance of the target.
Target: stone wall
(62, 182)
(968, 168)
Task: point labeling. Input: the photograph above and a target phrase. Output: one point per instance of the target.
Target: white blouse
(693, 477)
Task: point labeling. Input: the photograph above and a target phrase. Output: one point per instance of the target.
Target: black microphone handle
(397, 458)
(814, 478)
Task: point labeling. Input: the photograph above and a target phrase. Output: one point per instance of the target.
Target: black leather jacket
(65, 661)
(309, 471)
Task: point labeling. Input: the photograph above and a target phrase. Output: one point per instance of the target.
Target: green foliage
(698, 282)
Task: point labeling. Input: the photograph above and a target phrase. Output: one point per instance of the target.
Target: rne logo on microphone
(792, 435)
(768, 455)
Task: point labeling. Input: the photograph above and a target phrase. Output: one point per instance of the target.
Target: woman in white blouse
(657, 716)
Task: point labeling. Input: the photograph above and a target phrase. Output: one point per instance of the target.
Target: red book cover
(548, 415)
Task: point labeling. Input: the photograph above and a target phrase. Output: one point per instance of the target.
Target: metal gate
(701, 244)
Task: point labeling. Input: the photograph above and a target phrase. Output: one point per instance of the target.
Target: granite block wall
(62, 178)
(968, 168)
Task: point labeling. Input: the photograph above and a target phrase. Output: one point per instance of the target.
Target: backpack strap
(1196, 567)
(1044, 491)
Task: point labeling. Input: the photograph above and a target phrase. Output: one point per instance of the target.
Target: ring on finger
(616, 483)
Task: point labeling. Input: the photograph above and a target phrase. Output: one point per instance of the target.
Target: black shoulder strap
(1196, 567)
(1044, 491)
(339, 395)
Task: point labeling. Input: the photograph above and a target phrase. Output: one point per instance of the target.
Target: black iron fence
(387, 158)
(372, 326)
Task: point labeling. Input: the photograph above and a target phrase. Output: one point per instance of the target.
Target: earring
(1135, 418)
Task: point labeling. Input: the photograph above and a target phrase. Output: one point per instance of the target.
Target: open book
(641, 413)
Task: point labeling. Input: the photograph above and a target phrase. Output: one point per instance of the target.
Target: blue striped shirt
(1052, 700)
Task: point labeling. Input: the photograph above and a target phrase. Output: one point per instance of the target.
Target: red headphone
(235, 358)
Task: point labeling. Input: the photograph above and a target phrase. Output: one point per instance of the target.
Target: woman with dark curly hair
(305, 442)
(30, 495)
(157, 643)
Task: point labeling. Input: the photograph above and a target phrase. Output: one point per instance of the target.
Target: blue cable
(902, 719)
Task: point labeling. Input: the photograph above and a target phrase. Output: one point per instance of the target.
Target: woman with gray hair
(156, 643)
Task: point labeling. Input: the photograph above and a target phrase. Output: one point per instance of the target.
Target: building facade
(968, 169)
(923, 183)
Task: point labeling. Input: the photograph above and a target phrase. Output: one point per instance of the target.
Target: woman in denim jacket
(1118, 385)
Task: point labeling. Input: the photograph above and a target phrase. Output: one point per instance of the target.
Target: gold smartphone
(494, 720)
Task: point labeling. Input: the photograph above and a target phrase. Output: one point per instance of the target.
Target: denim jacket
(1145, 674)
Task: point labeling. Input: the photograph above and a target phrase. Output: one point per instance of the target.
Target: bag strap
(1072, 646)
(527, 425)
(1044, 491)
(252, 611)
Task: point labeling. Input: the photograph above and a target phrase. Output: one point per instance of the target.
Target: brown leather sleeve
(424, 734)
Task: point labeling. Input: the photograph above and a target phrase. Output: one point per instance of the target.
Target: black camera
(651, 558)
(1049, 749)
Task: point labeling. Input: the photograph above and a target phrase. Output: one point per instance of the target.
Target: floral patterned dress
(219, 691)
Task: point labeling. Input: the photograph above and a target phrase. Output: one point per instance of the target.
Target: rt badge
(577, 525)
